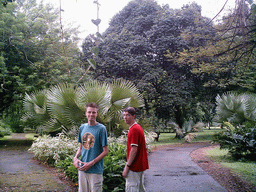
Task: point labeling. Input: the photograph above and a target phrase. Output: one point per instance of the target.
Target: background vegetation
(182, 71)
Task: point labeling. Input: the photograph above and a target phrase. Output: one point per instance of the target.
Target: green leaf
(94, 50)
(92, 63)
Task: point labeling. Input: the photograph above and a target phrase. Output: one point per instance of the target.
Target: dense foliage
(33, 54)
(240, 141)
(113, 167)
(4, 129)
(238, 114)
(135, 47)
(62, 108)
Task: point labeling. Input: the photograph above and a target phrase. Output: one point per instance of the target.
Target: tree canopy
(33, 52)
(135, 47)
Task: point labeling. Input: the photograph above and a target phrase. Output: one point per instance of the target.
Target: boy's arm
(78, 154)
(88, 165)
(132, 155)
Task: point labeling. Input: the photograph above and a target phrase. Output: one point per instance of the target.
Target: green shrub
(69, 168)
(53, 149)
(5, 129)
(240, 141)
(114, 164)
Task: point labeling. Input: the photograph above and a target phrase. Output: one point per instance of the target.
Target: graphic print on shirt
(88, 140)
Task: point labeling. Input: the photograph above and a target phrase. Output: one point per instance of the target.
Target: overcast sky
(80, 12)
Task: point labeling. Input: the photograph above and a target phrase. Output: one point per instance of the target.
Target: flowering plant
(53, 149)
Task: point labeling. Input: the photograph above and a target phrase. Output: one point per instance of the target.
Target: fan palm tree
(64, 104)
(235, 108)
(121, 94)
(64, 108)
(35, 107)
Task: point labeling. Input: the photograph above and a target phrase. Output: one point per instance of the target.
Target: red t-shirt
(136, 137)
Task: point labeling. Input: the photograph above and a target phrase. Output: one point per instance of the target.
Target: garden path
(20, 172)
(172, 169)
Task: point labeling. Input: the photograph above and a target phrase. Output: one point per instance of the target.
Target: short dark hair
(93, 105)
(130, 110)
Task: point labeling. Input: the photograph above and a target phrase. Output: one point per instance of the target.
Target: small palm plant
(121, 94)
(235, 108)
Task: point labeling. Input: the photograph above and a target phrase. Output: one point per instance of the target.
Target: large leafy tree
(34, 53)
(134, 48)
(227, 60)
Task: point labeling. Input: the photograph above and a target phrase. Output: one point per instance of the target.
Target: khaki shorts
(135, 182)
(89, 182)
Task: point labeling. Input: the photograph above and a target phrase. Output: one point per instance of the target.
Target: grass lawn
(247, 169)
(12, 140)
(29, 136)
(169, 138)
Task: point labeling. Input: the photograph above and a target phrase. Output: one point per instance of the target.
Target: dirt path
(20, 172)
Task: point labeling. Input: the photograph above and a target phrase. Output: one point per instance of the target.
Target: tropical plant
(238, 114)
(113, 167)
(62, 107)
(240, 141)
(120, 95)
(235, 108)
(35, 107)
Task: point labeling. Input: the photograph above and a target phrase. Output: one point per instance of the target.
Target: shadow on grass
(13, 142)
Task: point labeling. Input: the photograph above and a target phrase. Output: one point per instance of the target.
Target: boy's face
(91, 113)
(128, 118)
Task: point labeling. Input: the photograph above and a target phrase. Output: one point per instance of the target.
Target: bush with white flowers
(53, 149)
(149, 138)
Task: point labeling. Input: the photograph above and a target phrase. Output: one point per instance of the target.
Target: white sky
(80, 12)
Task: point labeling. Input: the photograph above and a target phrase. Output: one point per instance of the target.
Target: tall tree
(135, 45)
(31, 47)
(227, 60)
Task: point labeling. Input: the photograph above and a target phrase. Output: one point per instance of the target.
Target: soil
(224, 176)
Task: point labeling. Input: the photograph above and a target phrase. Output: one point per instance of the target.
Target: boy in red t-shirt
(137, 158)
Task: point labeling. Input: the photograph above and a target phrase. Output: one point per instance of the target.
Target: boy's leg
(134, 182)
(96, 182)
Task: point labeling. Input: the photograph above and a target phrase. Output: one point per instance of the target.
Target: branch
(62, 38)
(218, 13)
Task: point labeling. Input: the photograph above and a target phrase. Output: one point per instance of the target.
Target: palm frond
(62, 105)
(122, 89)
(235, 108)
(35, 107)
(92, 91)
